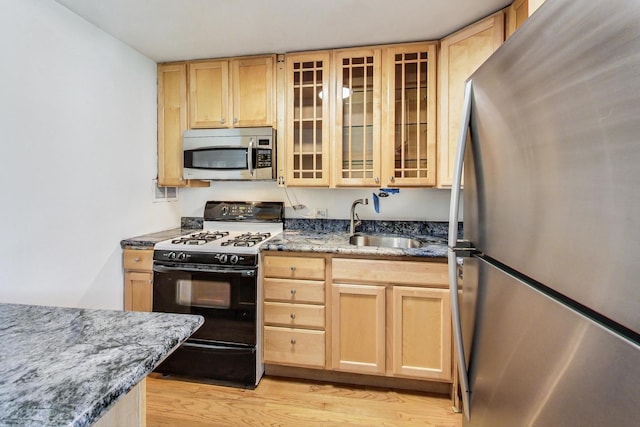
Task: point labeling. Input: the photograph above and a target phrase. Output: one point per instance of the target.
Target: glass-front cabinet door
(409, 149)
(357, 110)
(307, 134)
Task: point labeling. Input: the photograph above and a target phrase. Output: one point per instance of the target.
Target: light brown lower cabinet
(382, 317)
(138, 279)
(358, 334)
(391, 318)
(294, 310)
(421, 331)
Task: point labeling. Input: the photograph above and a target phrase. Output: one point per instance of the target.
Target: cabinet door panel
(395, 272)
(138, 291)
(209, 94)
(253, 83)
(294, 315)
(358, 101)
(294, 267)
(297, 291)
(307, 132)
(421, 333)
(410, 107)
(297, 347)
(460, 55)
(137, 259)
(172, 122)
(358, 334)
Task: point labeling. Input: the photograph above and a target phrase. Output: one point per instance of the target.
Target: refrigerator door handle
(453, 249)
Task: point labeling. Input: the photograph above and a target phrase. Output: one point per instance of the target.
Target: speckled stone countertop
(338, 243)
(327, 236)
(68, 366)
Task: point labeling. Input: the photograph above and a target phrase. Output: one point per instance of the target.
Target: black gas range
(215, 273)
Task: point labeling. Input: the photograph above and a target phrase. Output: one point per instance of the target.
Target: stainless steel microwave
(229, 154)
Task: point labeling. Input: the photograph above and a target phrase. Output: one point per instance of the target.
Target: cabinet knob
(222, 120)
(293, 291)
(392, 179)
(293, 268)
(293, 316)
(376, 180)
(136, 259)
(235, 120)
(293, 341)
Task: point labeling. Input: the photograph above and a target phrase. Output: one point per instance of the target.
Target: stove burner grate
(200, 238)
(246, 239)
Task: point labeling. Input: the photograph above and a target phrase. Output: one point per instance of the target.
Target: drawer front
(294, 346)
(296, 291)
(294, 267)
(138, 259)
(294, 315)
(429, 274)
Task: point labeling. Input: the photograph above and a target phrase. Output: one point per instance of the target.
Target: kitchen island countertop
(68, 366)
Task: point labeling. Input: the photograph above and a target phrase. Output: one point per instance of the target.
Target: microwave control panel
(263, 158)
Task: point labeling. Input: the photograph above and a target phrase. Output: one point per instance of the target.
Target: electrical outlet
(321, 213)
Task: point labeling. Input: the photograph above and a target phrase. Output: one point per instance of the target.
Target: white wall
(77, 156)
(409, 204)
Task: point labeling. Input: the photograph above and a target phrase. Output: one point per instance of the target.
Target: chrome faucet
(353, 223)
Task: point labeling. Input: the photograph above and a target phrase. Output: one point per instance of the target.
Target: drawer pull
(293, 341)
(136, 259)
(293, 316)
(293, 268)
(293, 291)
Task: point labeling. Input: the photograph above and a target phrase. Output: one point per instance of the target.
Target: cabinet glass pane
(411, 112)
(307, 119)
(357, 117)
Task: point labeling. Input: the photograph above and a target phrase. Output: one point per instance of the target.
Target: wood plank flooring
(290, 402)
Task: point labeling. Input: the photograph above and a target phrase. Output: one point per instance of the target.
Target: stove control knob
(171, 255)
(182, 256)
(233, 259)
(223, 259)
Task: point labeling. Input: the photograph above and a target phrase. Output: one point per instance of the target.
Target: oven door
(224, 296)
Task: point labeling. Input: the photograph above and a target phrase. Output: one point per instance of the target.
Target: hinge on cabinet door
(464, 249)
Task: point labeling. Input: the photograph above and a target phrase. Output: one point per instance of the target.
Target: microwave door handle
(250, 156)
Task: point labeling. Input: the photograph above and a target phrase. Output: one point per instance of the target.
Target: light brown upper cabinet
(409, 114)
(357, 109)
(517, 13)
(307, 122)
(172, 121)
(232, 93)
(460, 55)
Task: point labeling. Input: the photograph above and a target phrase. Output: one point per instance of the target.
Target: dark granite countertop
(338, 243)
(146, 241)
(68, 366)
(327, 236)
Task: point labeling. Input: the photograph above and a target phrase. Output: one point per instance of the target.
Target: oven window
(219, 158)
(203, 293)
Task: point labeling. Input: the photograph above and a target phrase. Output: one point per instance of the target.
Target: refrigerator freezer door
(536, 363)
(555, 133)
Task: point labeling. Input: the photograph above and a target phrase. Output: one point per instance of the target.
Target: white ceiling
(171, 30)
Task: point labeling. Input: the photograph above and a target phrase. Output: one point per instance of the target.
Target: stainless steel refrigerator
(550, 288)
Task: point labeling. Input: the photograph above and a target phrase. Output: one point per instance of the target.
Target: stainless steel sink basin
(384, 241)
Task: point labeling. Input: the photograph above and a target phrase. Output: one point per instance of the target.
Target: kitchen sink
(384, 241)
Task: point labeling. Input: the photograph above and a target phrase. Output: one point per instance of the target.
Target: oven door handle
(228, 271)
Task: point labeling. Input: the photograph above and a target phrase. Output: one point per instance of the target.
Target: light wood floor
(288, 402)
